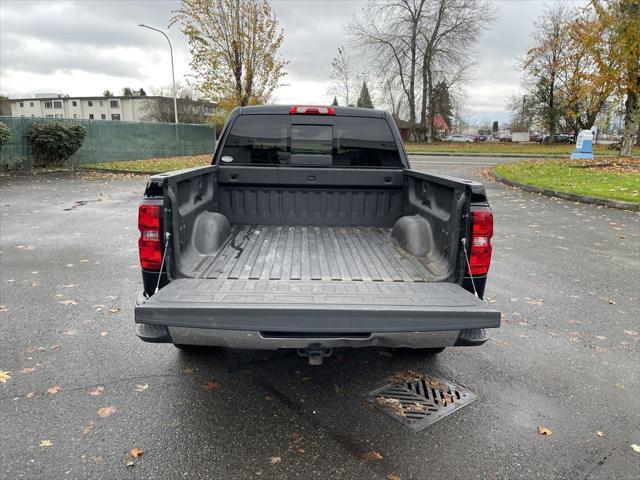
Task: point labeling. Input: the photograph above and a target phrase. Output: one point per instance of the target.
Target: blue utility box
(584, 146)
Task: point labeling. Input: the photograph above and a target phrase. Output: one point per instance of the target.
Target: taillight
(480, 254)
(149, 243)
(311, 110)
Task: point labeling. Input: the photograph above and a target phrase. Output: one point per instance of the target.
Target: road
(564, 275)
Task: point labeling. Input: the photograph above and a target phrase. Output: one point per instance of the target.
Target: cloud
(85, 47)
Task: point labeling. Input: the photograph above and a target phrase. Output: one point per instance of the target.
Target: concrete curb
(634, 207)
(110, 170)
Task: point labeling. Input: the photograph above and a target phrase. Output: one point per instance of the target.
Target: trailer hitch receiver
(315, 353)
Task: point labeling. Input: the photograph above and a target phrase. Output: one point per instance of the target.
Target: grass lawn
(608, 179)
(504, 148)
(154, 165)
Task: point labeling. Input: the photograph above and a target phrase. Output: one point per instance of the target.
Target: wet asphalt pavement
(566, 277)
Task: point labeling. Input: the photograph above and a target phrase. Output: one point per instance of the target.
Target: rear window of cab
(271, 140)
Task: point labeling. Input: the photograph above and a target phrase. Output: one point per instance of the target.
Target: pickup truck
(310, 231)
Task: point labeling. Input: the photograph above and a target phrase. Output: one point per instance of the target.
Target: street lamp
(173, 75)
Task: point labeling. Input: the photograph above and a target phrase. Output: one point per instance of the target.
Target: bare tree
(342, 76)
(448, 30)
(546, 61)
(423, 43)
(159, 107)
(389, 32)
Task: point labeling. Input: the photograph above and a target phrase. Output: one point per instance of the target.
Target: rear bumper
(244, 339)
(252, 339)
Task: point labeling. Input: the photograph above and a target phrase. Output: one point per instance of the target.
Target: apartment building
(124, 108)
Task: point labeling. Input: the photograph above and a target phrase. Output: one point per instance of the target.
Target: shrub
(5, 134)
(52, 143)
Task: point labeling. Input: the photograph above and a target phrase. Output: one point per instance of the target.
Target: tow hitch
(315, 352)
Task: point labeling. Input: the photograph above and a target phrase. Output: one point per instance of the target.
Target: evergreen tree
(335, 102)
(442, 102)
(495, 127)
(364, 100)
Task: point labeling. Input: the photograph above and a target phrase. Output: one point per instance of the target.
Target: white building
(129, 108)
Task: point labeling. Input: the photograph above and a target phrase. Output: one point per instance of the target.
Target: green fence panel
(110, 141)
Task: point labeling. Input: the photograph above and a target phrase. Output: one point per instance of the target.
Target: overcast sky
(85, 47)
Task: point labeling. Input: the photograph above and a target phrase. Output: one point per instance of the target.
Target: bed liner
(314, 253)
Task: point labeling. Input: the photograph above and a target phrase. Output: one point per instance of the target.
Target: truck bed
(314, 253)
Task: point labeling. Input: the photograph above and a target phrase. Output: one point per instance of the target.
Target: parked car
(311, 231)
(481, 138)
(505, 138)
(459, 138)
(534, 137)
(558, 138)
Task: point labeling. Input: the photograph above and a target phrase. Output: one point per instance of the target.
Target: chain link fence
(110, 141)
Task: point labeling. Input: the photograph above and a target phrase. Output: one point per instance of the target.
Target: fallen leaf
(112, 297)
(393, 476)
(4, 376)
(636, 448)
(98, 307)
(31, 395)
(69, 333)
(372, 456)
(68, 302)
(631, 333)
(84, 260)
(600, 434)
(275, 460)
(114, 310)
(106, 411)
(337, 390)
(601, 337)
(46, 443)
(96, 391)
(417, 407)
(210, 385)
(136, 452)
(393, 403)
(53, 390)
(188, 371)
(447, 399)
(104, 334)
(268, 398)
(35, 349)
(87, 428)
(611, 302)
(141, 388)
(130, 463)
(544, 431)
(27, 370)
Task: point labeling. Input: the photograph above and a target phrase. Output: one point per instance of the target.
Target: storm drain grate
(419, 400)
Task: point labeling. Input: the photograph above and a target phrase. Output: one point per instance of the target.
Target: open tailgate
(315, 306)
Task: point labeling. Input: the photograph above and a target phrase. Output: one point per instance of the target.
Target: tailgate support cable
(164, 255)
(466, 257)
